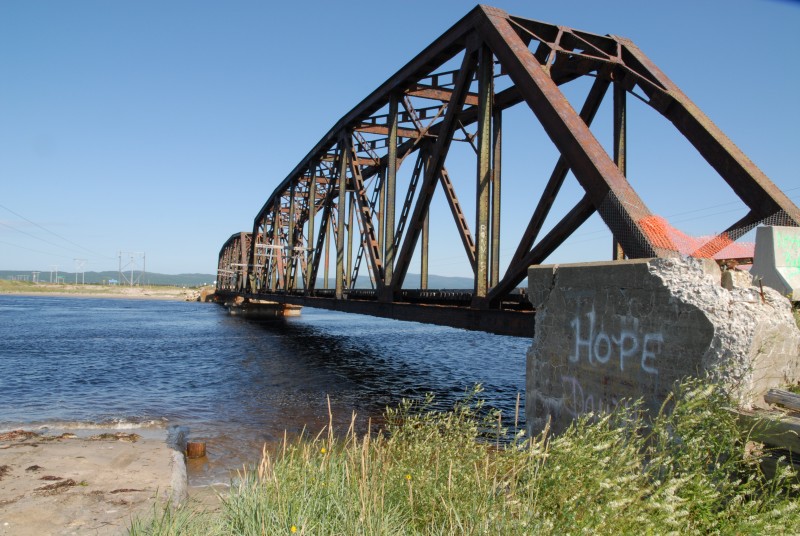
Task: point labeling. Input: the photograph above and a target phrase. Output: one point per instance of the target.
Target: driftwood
(773, 429)
(779, 397)
(777, 430)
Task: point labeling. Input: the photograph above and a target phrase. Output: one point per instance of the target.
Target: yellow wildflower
(293, 529)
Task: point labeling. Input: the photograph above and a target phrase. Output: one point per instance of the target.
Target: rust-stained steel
(233, 269)
(456, 91)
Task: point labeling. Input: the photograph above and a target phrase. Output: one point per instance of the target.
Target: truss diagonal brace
(557, 235)
(327, 210)
(458, 216)
(434, 166)
(590, 107)
(370, 239)
(607, 188)
(752, 186)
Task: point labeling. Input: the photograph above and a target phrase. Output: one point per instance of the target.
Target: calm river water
(70, 362)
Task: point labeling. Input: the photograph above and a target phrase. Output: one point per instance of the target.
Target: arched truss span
(339, 215)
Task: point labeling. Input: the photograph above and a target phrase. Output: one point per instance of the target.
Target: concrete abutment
(610, 332)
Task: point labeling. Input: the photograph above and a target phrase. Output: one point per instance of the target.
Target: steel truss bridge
(343, 196)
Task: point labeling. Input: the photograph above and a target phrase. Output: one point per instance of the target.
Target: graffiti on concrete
(787, 247)
(625, 352)
(625, 348)
(579, 401)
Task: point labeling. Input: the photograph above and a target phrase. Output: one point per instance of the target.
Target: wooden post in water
(195, 449)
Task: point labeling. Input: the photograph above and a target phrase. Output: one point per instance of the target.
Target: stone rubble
(756, 341)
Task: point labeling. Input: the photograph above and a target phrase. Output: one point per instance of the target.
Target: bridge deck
(441, 307)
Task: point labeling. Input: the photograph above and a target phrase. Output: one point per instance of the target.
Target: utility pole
(80, 266)
(53, 268)
(135, 261)
(35, 276)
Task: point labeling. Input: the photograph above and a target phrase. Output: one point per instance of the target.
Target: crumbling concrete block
(617, 331)
(732, 279)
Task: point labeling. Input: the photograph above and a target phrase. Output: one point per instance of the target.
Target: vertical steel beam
(348, 274)
(423, 277)
(620, 127)
(620, 151)
(484, 175)
(290, 242)
(329, 233)
(341, 204)
(382, 216)
(276, 241)
(244, 258)
(497, 143)
(391, 189)
(255, 282)
(250, 284)
(312, 211)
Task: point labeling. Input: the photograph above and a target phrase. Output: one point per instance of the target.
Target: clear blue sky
(163, 126)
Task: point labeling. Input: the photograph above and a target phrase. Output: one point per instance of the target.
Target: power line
(33, 250)
(42, 240)
(34, 236)
(55, 234)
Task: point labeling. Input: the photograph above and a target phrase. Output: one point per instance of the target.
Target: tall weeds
(435, 472)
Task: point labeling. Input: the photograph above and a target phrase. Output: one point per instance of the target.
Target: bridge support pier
(608, 333)
(261, 310)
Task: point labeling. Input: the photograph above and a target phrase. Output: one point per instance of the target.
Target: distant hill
(92, 278)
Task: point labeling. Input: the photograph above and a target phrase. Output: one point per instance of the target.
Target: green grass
(26, 287)
(18, 286)
(445, 473)
(8, 286)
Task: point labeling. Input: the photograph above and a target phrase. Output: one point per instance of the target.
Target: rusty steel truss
(340, 204)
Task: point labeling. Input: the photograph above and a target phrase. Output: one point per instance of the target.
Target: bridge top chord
(448, 105)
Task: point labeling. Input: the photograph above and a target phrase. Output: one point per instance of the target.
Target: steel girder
(345, 189)
(233, 268)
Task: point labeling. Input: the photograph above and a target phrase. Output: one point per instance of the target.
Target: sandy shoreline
(60, 481)
(95, 484)
(93, 291)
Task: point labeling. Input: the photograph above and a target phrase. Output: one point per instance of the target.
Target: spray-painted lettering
(626, 348)
(578, 400)
(787, 246)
